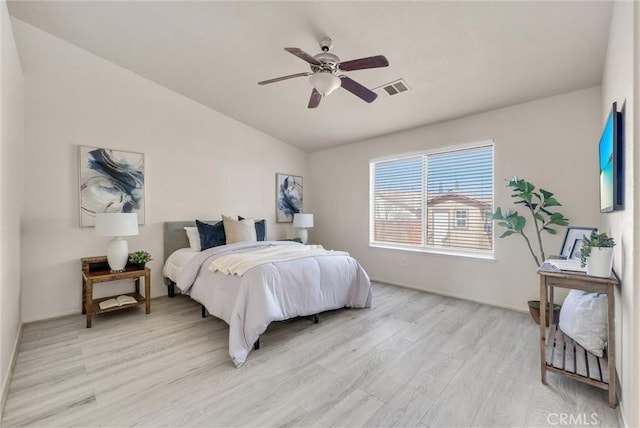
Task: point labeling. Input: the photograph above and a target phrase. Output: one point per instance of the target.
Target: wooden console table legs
(543, 323)
(554, 347)
(87, 292)
(147, 290)
(611, 348)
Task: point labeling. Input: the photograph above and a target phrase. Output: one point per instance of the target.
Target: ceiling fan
(324, 69)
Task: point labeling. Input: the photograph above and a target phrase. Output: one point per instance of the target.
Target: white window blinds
(398, 201)
(437, 200)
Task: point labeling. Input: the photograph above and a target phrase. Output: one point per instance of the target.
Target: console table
(558, 353)
(96, 270)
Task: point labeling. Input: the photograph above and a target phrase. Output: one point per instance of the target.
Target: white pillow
(239, 230)
(194, 238)
(583, 318)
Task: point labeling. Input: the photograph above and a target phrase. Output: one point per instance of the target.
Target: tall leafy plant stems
(539, 204)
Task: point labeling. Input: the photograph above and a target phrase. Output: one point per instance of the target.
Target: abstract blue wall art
(288, 197)
(111, 181)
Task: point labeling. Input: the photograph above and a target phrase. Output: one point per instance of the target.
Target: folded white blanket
(239, 263)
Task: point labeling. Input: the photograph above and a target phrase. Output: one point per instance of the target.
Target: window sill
(490, 257)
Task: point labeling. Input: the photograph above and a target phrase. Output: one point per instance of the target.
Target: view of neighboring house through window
(434, 200)
(461, 218)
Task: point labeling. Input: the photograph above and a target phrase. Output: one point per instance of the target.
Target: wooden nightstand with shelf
(95, 270)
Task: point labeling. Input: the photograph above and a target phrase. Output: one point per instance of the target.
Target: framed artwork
(288, 197)
(574, 251)
(111, 181)
(574, 233)
(611, 155)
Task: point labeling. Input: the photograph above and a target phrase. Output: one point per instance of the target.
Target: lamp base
(303, 235)
(117, 254)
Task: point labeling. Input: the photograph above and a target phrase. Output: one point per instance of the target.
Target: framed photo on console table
(288, 197)
(111, 181)
(573, 238)
(574, 251)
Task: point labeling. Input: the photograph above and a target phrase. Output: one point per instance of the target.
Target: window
(461, 218)
(434, 201)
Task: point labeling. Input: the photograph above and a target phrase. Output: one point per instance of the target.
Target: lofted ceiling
(458, 58)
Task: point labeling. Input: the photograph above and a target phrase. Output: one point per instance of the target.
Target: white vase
(600, 262)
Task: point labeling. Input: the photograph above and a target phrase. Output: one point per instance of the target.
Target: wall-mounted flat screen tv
(611, 163)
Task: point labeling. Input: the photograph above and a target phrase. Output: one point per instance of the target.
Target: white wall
(550, 142)
(11, 146)
(618, 86)
(199, 164)
(634, 400)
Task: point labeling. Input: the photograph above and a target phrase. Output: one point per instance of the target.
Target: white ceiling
(458, 58)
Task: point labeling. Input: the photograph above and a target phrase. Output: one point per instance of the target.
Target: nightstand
(95, 270)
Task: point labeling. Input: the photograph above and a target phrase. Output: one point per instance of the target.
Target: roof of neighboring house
(454, 196)
(402, 201)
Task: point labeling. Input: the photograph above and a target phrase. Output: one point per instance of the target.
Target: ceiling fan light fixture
(325, 83)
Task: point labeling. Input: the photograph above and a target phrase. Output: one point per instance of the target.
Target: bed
(264, 281)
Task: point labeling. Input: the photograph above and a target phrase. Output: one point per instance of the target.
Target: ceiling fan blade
(314, 101)
(277, 79)
(362, 63)
(357, 89)
(303, 55)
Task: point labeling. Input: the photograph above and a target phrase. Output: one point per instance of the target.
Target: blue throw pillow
(261, 229)
(211, 235)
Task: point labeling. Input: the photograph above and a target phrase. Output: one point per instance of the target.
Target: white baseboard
(622, 422)
(74, 312)
(51, 316)
(620, 413)
(6, 382)
(441, 293)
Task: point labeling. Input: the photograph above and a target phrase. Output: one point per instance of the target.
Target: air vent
(394, 88)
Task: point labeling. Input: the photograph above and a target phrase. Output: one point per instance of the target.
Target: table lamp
(117, 225)
(303, 222)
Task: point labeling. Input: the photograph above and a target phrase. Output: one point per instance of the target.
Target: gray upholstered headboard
(175, 237)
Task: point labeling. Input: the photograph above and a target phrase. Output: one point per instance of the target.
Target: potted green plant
(140, 258)
(596, 254)
(541, 206)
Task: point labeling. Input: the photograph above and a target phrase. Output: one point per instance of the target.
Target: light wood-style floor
(413, 360)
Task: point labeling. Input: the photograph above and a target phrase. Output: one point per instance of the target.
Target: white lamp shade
(116, 224)
(325, 83)
(302, 220)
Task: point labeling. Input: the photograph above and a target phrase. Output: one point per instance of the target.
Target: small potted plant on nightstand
(140, 258)
(597, 254)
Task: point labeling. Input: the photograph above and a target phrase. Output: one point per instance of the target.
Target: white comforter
(239, 263)
(273, 291)
(176, 262)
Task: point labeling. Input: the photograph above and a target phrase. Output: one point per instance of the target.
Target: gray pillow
(583, 318)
